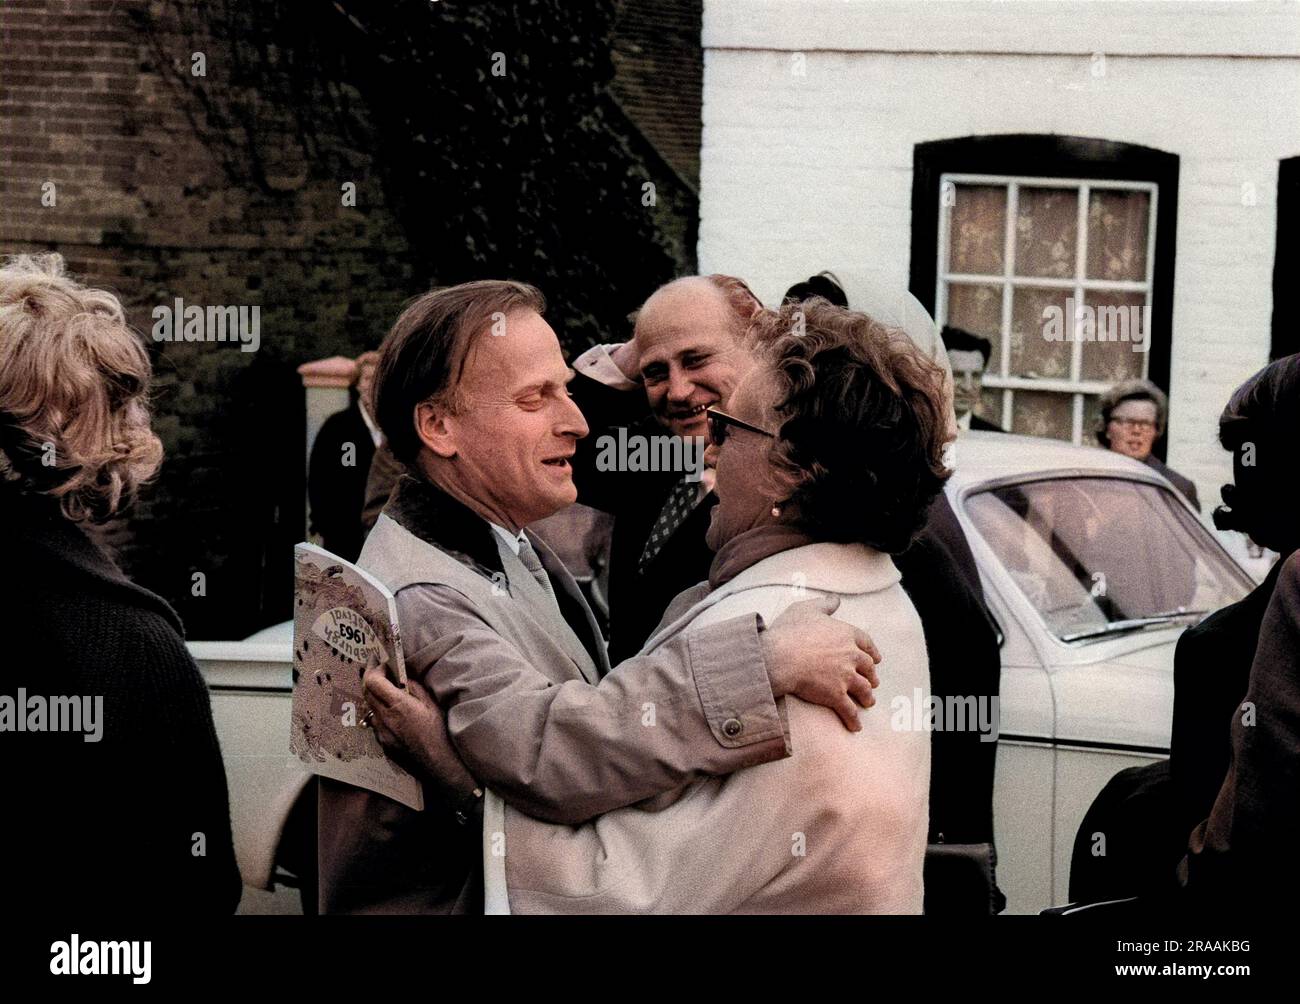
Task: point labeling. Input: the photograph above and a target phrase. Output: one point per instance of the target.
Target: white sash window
(1058, 274)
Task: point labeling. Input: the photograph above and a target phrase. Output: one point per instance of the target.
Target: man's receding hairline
(684, 282)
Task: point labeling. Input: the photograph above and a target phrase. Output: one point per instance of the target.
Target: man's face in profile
(689, 354)
(517, 427)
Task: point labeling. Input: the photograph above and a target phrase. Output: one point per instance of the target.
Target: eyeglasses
(1134, 423)
(718, 422)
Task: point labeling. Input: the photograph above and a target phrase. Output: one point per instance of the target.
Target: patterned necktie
(680, 504)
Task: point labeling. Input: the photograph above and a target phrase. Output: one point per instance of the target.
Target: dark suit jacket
(942, 579)
(1147, 812)
(978, 424)
(335, 490)
(637, 601)
(1245, 851)
(1181, 483)
(1211, 672)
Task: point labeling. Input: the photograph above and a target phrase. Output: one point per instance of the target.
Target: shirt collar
(513, 541)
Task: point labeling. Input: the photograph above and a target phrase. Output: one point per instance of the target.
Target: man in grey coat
(471, 396)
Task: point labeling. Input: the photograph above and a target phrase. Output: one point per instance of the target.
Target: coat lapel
(424, 510)
(540, 607)
(573, 604)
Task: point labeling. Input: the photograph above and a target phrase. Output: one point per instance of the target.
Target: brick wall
(801, 173)
(160, 192)
(142, 206)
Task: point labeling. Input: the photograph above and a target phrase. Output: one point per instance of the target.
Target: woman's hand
(822, 660)
(411, 726)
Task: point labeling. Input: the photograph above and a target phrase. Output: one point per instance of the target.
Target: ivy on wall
(487, 130)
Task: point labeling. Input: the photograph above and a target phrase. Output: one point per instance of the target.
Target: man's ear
(435, 430)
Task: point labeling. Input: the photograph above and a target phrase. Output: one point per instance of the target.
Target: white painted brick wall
(799, 174)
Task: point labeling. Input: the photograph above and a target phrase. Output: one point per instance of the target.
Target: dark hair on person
(1262, 416)
(862, 424)
(423, 356)
(1131, 390)
(823, 284)
(961, 340)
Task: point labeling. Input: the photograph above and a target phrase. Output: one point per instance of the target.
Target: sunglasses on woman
(720, 420)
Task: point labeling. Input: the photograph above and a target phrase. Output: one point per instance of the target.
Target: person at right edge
(1147, 813)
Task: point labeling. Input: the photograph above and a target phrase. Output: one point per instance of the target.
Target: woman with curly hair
(114, 784)
(828, 457)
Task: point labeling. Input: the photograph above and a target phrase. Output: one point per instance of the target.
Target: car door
(1113, 709)
(1025, 772)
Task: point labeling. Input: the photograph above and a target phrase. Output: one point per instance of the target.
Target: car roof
(983, 457)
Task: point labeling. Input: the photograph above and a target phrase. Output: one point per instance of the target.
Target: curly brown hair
(74, 392)
(862, 423)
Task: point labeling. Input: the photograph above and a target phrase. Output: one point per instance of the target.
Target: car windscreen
(1097, 556)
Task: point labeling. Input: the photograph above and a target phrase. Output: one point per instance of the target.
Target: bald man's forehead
(691, 294)
(682, 308)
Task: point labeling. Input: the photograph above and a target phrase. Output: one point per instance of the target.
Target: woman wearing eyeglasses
(1133, 417)
(826, 461)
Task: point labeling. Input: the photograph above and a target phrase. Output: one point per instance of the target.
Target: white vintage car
(1092, 566)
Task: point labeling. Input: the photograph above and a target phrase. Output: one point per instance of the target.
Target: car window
(1099, 556)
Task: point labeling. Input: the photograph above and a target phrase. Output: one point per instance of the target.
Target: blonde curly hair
(74, 386)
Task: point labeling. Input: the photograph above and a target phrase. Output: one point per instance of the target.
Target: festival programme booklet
(343, 619)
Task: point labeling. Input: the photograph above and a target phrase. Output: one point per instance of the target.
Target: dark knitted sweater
(113, 826)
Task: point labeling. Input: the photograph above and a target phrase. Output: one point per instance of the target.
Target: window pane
(978, 309)
(1091, 419)
(1120, 320)
(1047, 227)
(1043, 413)
(1117, 234)
(1091, 552)
(1032, 354)
(977, 229)
(990, 406)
